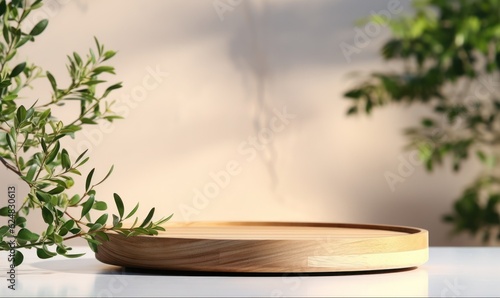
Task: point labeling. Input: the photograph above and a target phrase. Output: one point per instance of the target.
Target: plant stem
(10, 167)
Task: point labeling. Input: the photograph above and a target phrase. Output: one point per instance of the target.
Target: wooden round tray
(270, 247)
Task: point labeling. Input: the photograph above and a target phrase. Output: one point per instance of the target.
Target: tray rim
(409, 230)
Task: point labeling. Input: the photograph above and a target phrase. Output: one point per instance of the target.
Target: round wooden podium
(270, 247)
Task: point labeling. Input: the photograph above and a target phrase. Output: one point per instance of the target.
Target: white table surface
(450, 272)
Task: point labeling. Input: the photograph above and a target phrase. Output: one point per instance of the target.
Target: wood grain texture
(270, 247)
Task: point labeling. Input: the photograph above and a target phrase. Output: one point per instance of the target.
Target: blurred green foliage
(447, 56)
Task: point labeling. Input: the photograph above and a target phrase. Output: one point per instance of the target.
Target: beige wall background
(203, 81)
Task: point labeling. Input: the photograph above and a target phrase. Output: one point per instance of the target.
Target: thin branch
(10, 167)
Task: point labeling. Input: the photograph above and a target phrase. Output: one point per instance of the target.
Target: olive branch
(30, 146)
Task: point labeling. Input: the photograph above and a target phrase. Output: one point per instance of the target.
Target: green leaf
(37, 4)
(93, 82)
(101, 69)
(102, 219)
(116, 220)
(164, 220)
(111, 88)
(95, 227)
(23, 41)
(53, 153)
(368, 106)
(426, 122)
(108, 55)
(11, 142)
(43, 197)
(74, 200)
(102, 236)
(21, 221)
(75, 231)
(68, 225)
(4, 230)
(18, 69)
(352, 110)
(44, 253)
(107, 175)
(75, 171)
(47, 215)
(87, 206)
(31, 172)
(159, 228)
(135, 221)
(4, 211)
(354, 94)
(81, 156)
(61, 250)
(44, 145)
(39, 27)
(119, 204)
(148, 218)
(9, 97)
(98, 45)
(100, 205)
(139, 231)
(21, 114)
(16, 4)
(5, 83)
(88, 121)
(18, 258)
(133, 211)
(6, 33)
(25, 234)
(93, 244)
(11, 55)
(110, 118)
(88, 181)
(52, 81)
(3, 7)
(77, 57)
(57, 190)
(65, 160)
(45, 115)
